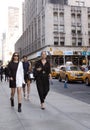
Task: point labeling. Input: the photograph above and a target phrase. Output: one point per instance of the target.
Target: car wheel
(59, 78)
(87, 81)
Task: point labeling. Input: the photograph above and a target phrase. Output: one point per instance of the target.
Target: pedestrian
(6, 73)
(42, 73)
(29, 81)
(1, 73)
(26, 86)
(16, 79)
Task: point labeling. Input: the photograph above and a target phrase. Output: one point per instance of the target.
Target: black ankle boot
(12, 102)
(19, 107)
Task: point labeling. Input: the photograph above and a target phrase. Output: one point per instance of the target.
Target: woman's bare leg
(28, 89)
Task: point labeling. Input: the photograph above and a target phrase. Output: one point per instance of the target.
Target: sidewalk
(61, 113)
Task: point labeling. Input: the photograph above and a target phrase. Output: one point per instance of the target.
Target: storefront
(59, 56)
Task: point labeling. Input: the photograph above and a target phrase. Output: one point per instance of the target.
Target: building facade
(79, 2)
(13, 32)
(62, 30)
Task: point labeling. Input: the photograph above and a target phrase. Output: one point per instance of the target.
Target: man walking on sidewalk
(26, 86)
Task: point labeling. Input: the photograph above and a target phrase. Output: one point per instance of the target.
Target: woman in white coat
(16, 79)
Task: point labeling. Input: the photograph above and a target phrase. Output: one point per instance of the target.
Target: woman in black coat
(42, 74)
(16, 79)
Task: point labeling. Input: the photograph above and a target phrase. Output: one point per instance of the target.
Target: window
(56, 39)
(80, 3)
(79, 42)
(73, 18)
(88, 32)
(89, 18)
(77, 3)
(39, 29)
(43, 41)
(61, 28)
(62, 41)
(88, 25)
(55, 17)
(73, 41)
(56, 28)
(61, 18)
(89, 42)
(35, 29)
(43, 25)
(78, 31)
(73, 29)
(78, 18)
(42, 2)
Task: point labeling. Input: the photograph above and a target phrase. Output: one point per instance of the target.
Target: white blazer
(20, 75)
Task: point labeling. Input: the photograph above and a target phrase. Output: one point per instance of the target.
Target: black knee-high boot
(19, 107)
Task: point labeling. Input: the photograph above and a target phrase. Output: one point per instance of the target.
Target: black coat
(44, 72)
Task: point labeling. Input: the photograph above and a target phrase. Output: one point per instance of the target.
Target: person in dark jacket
(16, 79)
(6, 73)
(26, 86)
(42, 73)
(1, 73)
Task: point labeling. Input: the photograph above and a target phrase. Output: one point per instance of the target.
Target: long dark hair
(14, 55)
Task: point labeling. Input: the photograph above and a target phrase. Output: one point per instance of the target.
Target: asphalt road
(77, 90)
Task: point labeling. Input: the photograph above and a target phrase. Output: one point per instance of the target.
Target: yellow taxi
(87, 77)
(55, 72)
(71, 73)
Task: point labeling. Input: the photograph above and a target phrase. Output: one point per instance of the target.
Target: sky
(3, 12)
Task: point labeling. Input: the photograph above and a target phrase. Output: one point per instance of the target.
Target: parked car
(55, 72)
(87, 77)
(71, 73)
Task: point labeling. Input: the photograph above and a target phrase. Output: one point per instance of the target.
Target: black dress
(42, 79)
(12, 69)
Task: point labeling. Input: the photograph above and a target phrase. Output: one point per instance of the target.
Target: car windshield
(55, 69)
(72, 68)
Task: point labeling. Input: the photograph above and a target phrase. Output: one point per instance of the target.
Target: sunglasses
(16, 55)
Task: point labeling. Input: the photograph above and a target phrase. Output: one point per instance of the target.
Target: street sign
(88, 53)
(84, 53)
(68, 53)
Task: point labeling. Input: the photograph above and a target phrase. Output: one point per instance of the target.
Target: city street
(76, 90)
(41, 38)
(66, 109)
